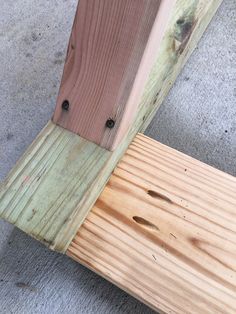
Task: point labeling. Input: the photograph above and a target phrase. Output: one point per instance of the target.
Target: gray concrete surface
(198, 118)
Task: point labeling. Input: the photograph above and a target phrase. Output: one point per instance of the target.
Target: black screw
(65, 105)
(110, 123)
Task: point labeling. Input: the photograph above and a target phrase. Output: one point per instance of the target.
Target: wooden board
(164, 230)
(112, 49)
(55, 184)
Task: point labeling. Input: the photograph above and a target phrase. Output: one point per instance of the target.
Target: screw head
(65, 105)
(110, 123)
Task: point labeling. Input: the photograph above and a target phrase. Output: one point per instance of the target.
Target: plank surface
(164, 230)
(52, 188)
(112, 49)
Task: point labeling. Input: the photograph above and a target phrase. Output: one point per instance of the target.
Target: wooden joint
(163, 229)
(51, 190)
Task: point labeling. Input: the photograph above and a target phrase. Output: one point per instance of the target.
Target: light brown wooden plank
(112, 49)
(164, 230)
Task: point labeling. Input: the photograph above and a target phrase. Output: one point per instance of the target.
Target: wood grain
(164, 230)
(112, 49)
(52, 188)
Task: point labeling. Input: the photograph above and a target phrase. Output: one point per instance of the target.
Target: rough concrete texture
(198, 118)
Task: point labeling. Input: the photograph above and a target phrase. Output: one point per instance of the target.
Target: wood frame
(176, 232)
(55, 184)
(164, 230)
(112, 49)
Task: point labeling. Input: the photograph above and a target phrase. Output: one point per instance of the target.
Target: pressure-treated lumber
(55, 184)
(164, 230)
(112, 49)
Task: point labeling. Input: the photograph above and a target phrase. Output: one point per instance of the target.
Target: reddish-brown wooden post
(112, 48)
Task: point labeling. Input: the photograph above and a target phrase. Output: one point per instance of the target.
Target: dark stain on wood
(145, 223)
(183, 32)
(159, 196)
(34, 211)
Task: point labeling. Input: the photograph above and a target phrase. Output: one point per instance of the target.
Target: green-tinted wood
(43, 189)
(52, 188)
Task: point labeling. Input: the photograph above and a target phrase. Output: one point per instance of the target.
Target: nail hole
(159, 196)
(145, 223)
(180, 22)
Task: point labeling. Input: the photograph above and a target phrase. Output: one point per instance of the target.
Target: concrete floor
(198, 118)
